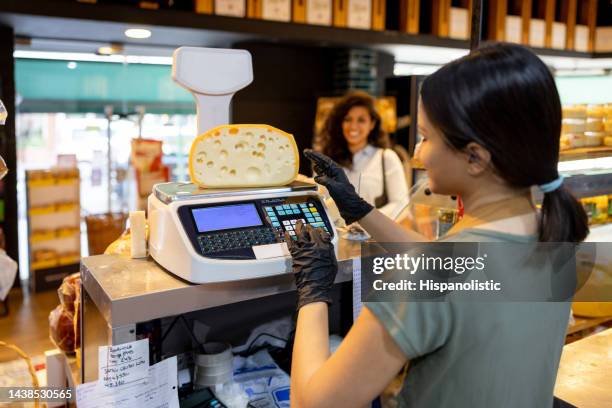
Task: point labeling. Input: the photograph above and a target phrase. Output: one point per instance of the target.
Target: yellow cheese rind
(233, 156)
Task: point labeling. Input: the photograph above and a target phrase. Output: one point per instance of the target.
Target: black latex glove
(329, 174)
(314, 264)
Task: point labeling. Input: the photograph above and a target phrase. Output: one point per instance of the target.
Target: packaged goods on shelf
(316, 12)
(596, 111)
(231, 8)
(582, 38)
(276, 10)
(575, 112)
(69, 258)
(597, 208)
(458, 23)
(593, 139)
(353, 14)
(559, 33)
(54, 219)
(594, 125)
(513, 29)
(42, 235)
(573, 126)
(574, 140)
(564, 143)
(537, 32)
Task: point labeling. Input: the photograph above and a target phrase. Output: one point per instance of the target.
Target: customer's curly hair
(332, 137)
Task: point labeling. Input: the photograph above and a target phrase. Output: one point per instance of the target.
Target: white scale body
(208, 235)
(220, 235)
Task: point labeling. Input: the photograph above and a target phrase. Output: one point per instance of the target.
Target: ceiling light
(71, 65)
(106, 50)
(110, 49)
(139, 33)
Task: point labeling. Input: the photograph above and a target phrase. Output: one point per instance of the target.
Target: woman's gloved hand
(351, 207)
(314, 264)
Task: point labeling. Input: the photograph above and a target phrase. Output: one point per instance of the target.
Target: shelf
(582, 153)
(106, 23)
(584, 323)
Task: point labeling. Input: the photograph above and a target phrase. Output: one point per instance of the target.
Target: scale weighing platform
(219, 235)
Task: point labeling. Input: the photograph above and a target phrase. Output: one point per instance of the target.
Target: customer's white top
(368, 163)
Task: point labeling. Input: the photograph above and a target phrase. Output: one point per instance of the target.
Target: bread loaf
(243, 156)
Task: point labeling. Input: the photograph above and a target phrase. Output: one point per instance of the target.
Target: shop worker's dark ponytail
(504, 98)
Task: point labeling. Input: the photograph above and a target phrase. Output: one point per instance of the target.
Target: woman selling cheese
(491, 123)
(353, 138)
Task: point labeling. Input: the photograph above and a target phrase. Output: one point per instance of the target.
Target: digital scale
(220, 235)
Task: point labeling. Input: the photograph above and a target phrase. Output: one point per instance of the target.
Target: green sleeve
(418, 328)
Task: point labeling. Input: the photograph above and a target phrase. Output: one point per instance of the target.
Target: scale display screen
(226, 217)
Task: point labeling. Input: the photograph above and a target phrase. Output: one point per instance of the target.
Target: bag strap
(383, 199)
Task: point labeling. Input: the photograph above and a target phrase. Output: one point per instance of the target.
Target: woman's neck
(485, 195)
(358, 147)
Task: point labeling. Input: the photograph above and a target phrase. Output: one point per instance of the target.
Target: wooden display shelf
(582, 153)
(106, 23)
(585, 323)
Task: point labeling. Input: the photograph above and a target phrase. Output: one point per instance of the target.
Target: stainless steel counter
(127, 291)
(119, 292)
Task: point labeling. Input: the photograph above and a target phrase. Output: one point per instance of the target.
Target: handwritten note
(123, 364)
(159, 390)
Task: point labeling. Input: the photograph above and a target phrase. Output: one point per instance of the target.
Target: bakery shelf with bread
(54, 225)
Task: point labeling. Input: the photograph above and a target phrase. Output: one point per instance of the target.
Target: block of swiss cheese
(243, 156)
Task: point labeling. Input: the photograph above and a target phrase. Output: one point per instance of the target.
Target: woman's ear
(478, 159)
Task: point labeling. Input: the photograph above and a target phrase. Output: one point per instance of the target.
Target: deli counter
(124, 299)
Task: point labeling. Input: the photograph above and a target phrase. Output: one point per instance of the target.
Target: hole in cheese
(232, 172)
(253, 173)
(261, 146)
(210, 164)
(223, 154)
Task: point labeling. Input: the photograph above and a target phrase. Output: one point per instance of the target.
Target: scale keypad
(284, 217)
(245, 238)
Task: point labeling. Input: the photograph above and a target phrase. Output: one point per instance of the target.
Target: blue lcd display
(226, 217)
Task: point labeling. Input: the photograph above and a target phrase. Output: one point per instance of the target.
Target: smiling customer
(352, 136)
